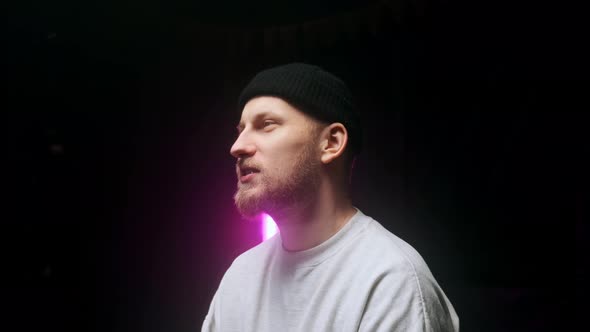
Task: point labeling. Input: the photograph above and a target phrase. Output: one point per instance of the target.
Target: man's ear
(334, 139)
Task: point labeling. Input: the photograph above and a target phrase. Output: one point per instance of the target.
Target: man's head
(298, 127)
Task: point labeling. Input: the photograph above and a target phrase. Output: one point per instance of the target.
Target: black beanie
(311, 90)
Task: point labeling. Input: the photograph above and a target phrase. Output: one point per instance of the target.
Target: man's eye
(267, 123)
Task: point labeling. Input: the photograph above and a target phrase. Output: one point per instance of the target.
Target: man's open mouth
(246, 173)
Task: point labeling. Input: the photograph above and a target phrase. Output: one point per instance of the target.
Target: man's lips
(247, 177)
(246, 174)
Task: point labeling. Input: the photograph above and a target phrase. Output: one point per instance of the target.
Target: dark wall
(119, 119)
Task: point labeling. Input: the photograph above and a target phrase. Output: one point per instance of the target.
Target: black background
(119, 117)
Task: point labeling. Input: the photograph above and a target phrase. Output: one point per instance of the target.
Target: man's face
(277, 157)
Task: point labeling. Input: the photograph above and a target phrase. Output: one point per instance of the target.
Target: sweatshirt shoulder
(403, 273)
(390, 250)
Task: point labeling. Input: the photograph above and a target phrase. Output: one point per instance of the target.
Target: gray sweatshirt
(363, 278)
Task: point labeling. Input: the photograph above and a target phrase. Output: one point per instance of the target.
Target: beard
(279, 190)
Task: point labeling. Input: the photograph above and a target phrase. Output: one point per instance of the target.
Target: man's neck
(311, 224)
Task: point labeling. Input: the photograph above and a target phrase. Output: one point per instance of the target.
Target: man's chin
(248, 205)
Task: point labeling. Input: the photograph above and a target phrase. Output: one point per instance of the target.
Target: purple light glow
(269, 228)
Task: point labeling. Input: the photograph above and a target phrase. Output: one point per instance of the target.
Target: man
(331, 268)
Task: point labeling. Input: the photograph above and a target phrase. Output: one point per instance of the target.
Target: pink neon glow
(269, 228)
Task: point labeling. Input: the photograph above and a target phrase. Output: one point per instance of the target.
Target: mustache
(244, 164)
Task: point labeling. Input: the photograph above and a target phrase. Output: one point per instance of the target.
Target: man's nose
(243, 147)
